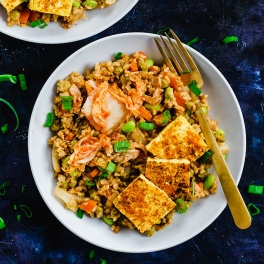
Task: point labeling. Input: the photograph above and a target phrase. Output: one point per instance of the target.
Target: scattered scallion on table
(22, 81)
(230, 39)
(2, 223)
(4, 128)
(191, 42)
(255, 189)
(8, 77)
(3, 188)
(14, 111)
(253, 209)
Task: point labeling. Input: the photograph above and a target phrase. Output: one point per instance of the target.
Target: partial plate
(98, 20)
(224, 107)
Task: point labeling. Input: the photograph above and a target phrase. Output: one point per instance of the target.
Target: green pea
(14, 14)
(220, 135)
(93, 4)
(168, 92)
(145, 65)
(164, 83)
(208, 181)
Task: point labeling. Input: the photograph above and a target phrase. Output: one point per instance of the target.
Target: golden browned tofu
(56, 7)
(10, 4)
(143, 203)
(178, 140)
(169, 175)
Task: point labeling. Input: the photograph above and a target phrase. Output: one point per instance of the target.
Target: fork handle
(234, 199)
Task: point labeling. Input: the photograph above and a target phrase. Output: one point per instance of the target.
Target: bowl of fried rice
(117, 153)
(56, 22)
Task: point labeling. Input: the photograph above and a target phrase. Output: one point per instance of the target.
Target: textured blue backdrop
(42, 239)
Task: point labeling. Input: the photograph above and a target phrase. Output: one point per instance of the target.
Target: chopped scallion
(88, 183)
(102, 261)
(2, 223)
(208, 181)
(121, 146)
(189, 43)
(4, 128)
(110, 166)
(152, 107)
(80, 213)
(75, 3)
(166, 117)
(194, 88)
(26, 210)
(230, 39)
(203, 159)
(166, 29)
(18, 217)
(255, 189)
(22, 81)
(13, 109)
(146, 126)
(8, 77)
(107, 220)
(91, 254)
(67, 102)
(3, 188)
(39, 22)
(255, 210)
(50, 117)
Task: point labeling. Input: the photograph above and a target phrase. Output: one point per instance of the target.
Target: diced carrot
(145, 113)
(180, 101)
(142, 53)
(88, 206)
(94, 172)
(34, 15)
(69, 136)
(173, 83)
(151, 68)
(24, 15)
(200, 184)
(134, 66)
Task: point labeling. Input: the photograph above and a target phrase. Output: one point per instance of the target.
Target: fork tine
(185, 52)
(184, 65)
(179, 69)
(165, 57)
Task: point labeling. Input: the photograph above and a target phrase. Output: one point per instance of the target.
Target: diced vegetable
(121, 146)
(220, 135)
(24, 15)
(145, 113)
(50, 117)
(93, 4)
(194, 88)
(80, 213)
(189, 43)
(181, 207)
(94, 172)
(14, 111)
(91, 254)
(4, 128)
(107, 220)
(180, 101)
(75, 3)
(163, 118)
(110, 166)
(146, 126)
(208, 182)
(22, 81)
(145, 65)
(88, 206)
(67, 102)
(2, 223)
(118, 55)
(230, 39)
(34, 15)
(255, 189)
(128, 127)
(134, 66)
(203, 159)
(152, 107)
(169, 93)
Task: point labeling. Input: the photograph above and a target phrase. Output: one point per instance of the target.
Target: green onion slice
(166, 29)
(3, 188)
(80, 213)
(107, 220)
(8, 77)
(146, 126)
(26, 210)
(230, 39)
(166, 117)
(22, 81)
(118, 55)
(181, 207)
(18, 217)
(50, 117)
(205, 157)
(91, 254)
(102, 261)
(89, 183)
(189, 43)
(110, 166)
(255, 189)
(13, 109)
(128, 127)
(39, 22)
(75, 3)
(255, 210)
(194, 88)
(4, 128)
(2, 223)
(121, 146)
(67, 102)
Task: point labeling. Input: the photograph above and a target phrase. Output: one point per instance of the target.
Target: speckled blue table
(42, 238)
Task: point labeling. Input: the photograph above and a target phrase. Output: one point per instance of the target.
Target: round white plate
(224, 107)
(98, 20)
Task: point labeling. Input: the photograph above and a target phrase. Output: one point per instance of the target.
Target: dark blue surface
(42, 238)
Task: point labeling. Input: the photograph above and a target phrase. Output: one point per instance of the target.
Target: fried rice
(91, 170)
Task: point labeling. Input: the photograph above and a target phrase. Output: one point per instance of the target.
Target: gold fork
(188, 71)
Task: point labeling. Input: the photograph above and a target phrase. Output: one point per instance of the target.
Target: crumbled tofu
(178, 140)
(143, 203)
(56, 7)
(169, 175)
(10, 4)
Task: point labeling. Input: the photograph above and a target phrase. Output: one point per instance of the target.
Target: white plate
(98, 20)
(224, 107)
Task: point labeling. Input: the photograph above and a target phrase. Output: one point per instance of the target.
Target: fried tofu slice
(10, 4)
(143, 203)
(178, 140)
(169, 175)
(55, 7)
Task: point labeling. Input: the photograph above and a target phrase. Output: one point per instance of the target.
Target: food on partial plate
(126, 145)
(40, 12)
